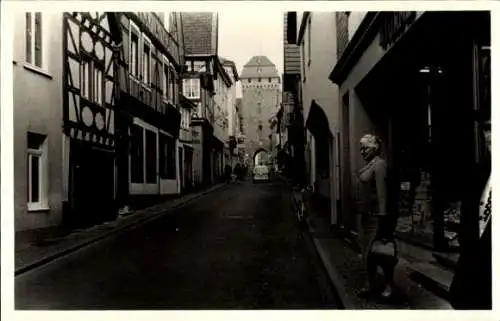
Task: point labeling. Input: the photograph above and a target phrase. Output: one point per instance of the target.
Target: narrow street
(237, 248)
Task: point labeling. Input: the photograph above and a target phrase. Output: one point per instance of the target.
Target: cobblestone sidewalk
(346, 270)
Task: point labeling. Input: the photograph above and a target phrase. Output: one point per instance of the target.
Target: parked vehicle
(260, 173)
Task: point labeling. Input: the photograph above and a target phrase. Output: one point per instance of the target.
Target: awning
(317, 122)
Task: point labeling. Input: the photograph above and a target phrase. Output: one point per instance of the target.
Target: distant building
(261, 89)
(205, 82)
(231, 109)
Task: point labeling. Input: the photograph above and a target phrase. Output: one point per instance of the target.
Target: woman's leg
(368, 233)
(389, 280)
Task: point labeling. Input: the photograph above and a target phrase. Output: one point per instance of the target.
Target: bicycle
(300, 199)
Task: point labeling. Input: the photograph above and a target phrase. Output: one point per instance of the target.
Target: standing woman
(376, 224)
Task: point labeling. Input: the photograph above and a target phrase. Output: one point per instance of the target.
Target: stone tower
(261, 98)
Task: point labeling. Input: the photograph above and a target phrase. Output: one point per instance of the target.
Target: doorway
(181, 169)
(92, 182)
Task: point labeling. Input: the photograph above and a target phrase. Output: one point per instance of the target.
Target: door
(349, 221)
(92, 185)
(181, 168)
(188, 161)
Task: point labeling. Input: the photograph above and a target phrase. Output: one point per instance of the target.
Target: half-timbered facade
(149, 87)
(198, 88)
(89, 101)
(186, 145)
(121, 111)
(200, 31)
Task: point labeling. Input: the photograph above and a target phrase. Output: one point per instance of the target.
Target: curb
(333, 275)
(113, 232)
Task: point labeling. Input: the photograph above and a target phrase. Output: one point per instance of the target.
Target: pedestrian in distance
(377, 235)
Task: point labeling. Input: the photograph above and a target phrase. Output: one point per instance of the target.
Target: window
(191, 88)
(97, 86)
(156, 72)
(171, 84)
(137, 154)
(36, 170)
(34, 39)
(85, 72)
(200, 66)
(92, 81)
(186, 118)
(167, 157)
(146, 61)
(165, 77)
(134, 50)
(309, 41)
(260, 79)
(270, 80)
(259, 108)
(151, 146)
(303, 64)
(167, 21)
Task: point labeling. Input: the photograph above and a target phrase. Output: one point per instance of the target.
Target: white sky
(243, 35)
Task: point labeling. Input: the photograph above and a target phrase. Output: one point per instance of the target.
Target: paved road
(234, 249)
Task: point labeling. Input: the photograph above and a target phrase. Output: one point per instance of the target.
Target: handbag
(384, 248)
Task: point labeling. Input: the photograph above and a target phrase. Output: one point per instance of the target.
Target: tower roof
(259, 66)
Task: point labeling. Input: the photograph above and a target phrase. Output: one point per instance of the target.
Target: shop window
(34, 55)
(151, 146)
(37, 168)
(137, 154)
(167, 157)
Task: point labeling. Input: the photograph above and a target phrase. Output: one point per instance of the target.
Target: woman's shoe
(367, 294)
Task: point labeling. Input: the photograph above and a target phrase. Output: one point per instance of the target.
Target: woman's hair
(371, 141)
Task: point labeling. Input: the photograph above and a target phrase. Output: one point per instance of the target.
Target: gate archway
(260, 157)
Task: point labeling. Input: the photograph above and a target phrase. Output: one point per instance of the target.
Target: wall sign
(393, 25)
